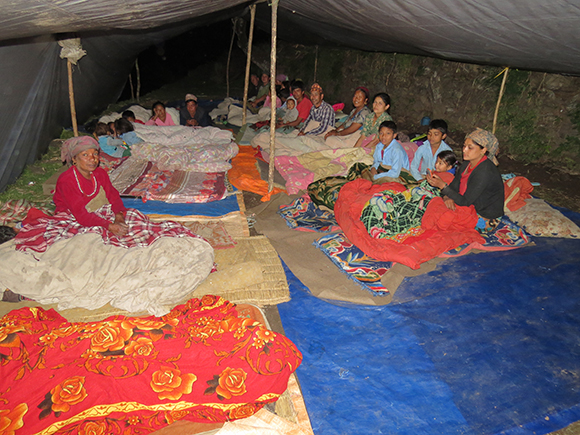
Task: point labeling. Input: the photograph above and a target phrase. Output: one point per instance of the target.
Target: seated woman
(94, 261)
(160, 116)
(477, 182)
(346, 134)
(370, 132)
(84, 188)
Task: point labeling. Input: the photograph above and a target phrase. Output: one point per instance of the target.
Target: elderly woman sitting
(94, 262)
(84, 188)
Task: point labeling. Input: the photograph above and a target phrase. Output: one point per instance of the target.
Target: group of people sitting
(477, 181)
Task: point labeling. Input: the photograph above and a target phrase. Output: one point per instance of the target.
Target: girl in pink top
(160, 116)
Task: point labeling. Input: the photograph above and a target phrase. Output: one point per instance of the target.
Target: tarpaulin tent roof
(529, 34)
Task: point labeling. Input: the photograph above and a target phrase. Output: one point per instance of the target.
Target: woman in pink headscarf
(84, 187)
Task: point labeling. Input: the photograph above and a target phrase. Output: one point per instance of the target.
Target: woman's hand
(449, 203)
(119, 229)
(373, 172)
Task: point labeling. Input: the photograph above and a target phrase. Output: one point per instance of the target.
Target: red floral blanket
(128, 375)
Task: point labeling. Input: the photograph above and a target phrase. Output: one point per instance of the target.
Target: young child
(291, 113)
(126, 133)
(445, 165)
(129, 115)
(426, 154)
(388, 152)
(109, 144)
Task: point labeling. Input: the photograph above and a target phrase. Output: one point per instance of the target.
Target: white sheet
(83, 272)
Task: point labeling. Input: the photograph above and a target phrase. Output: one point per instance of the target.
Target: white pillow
(539, 219)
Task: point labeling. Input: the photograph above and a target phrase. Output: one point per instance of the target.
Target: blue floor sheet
(487, 343)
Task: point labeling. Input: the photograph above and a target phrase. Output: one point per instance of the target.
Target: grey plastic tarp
(530, 34)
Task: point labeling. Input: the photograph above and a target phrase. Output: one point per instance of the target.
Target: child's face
(435, 137)
(442, 165)
(291, 104)
(386, 135)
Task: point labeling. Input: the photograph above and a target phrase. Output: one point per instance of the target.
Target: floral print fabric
(129, 375)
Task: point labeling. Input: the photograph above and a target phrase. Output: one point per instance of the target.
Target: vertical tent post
(138, 78)
(248, 61)
(131, 85)
(228, 63)
(71, 97)
(501, 91)
(315, 63)
(72, 51)
(273, 96)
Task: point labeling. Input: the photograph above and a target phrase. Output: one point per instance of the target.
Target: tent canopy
(527, 34)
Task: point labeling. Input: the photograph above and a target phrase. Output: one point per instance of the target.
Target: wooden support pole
(228, 63)
(315, 63)
(131, 85)
(248, 62)
(71, 97)
(138, 78)
(501, 91)
(273, 96)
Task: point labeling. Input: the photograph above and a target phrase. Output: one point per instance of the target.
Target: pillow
(539, 219)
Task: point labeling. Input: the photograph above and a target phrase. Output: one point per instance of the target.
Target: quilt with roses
(129, 375)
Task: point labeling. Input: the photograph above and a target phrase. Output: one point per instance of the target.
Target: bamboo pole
(131, 85)
(273, 96)
(71, 97)
(228, 63)
(248, 62)
(138, 78)
(315, 63)
(501, 91)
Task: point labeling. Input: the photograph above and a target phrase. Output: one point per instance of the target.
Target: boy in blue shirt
(426, 154)
(388, 153)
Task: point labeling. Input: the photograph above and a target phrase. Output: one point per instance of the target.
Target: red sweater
(69, 198)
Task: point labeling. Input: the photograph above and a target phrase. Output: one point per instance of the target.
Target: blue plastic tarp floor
(487, 343)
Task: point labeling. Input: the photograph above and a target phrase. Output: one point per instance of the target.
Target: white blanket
(206, 149)
(83, 272)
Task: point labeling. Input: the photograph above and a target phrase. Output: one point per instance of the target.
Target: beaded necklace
(79, 184)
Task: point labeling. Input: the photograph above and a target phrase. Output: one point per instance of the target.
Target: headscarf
(316, 87)
(71, 147)
(364, 91)
(487, 140)
(281, 77)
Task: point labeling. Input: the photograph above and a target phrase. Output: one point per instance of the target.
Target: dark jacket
(484, 189)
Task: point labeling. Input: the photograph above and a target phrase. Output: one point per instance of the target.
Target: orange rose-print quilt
(129, 375)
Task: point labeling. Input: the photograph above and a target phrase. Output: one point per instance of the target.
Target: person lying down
(94, 250)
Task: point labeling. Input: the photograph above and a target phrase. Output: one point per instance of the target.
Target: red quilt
(414, 250)
(129, 375)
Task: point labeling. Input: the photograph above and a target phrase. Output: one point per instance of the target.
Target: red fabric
(69, 198)
(129, 375)
(447, 177)
(416, 250)
(303, 108)
(517, 190)
(40, 232)
(439, 217)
